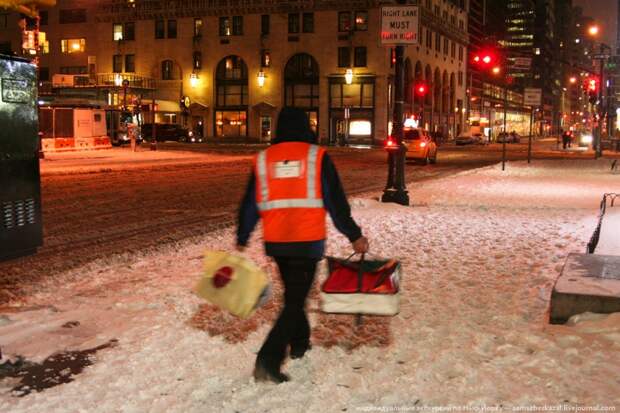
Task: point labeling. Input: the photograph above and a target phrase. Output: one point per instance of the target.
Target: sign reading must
(532, 96)
(399, 25)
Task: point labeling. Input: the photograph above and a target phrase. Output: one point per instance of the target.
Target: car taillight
(390, 143)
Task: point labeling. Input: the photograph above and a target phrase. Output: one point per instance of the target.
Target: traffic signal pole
(396, 191)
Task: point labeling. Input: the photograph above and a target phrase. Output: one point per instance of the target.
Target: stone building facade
(238, 62)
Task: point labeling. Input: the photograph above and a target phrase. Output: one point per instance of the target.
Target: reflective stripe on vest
(311, 201)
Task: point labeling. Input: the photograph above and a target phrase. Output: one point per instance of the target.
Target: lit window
(537, 51)
(360, 128)
(361, 20)
(197, 27)
(118, 32)
(72, 45)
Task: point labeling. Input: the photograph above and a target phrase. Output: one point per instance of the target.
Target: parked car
(166, 132)
(420, 145)
(585, 139)
(512, 137)
(470, 138)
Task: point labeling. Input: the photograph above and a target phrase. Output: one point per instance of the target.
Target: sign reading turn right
(399, 25)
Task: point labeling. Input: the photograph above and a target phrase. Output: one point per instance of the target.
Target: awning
(166, 106)
(264, 107)
(198, 108)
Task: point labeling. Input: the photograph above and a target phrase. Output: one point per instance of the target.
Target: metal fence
(602, 209)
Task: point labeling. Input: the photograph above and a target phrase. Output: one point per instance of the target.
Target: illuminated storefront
(352, 109)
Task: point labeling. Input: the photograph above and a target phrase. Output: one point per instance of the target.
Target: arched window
(231, 78)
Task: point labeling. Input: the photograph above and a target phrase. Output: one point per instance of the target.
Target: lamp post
(594, 31)
(395, 190)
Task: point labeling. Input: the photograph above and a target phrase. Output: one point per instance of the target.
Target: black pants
(292, 326)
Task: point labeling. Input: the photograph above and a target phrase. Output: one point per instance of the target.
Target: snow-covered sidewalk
(481, 251)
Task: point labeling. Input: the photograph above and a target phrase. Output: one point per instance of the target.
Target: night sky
(604, 11)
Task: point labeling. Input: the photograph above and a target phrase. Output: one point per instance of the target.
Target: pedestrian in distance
(293, 184)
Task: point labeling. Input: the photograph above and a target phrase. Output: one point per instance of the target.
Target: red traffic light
(421, 89)
(485, 58)
(592, 84)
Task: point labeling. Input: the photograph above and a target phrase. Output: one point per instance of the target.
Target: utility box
(21, 229)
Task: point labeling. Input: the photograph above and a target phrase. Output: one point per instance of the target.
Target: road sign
(532, 96)
(399, 25)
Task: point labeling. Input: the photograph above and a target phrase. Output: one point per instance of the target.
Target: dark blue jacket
(334, 200)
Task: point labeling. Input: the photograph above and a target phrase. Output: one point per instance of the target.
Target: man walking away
(293, 184)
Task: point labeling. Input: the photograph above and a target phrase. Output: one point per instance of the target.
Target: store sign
(399, 25)
(532, 96)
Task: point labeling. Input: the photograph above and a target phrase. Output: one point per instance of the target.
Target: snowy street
(480, 249)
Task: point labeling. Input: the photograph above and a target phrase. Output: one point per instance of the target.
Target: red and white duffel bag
(361, 287)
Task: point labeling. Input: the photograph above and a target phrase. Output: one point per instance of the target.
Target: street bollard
(153, 144)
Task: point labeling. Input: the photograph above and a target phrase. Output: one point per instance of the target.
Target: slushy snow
(480, 252)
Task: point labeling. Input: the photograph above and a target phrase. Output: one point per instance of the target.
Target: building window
(361, 21)
(453, 50)
(69, 16)
(359, 57)
(43, 17)
(72, 45)
(73, 70)
(265, 58)
(445, 45)
(429, 38)
(130, 63)
(461, 25)
(461, 53)
(44, 74)
(301, 86)
(231, 78)
(172, 29)
(160, 29)
(344, 21)
(129, 32)
(166, 69)
(237, 25)
(117, 31)
(293, 23)
(197, 60)
(437, 42)
(264, 24)
(117, 63)
(197, 27)
(225, 26)
(308, 23)
(344, 57)
(460, 76)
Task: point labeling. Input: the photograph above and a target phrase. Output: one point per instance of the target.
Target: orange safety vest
(288, 192)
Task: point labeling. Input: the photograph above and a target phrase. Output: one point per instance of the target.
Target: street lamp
(193, 80)
(593, 31)
(348, 76)
(261, 78)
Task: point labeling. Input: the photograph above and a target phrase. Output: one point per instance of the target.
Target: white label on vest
(288, 169)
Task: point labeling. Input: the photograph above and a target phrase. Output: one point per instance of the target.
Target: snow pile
(480, 252)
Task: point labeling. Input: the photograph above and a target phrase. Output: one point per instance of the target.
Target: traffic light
(592, 89)
(421, 89)
(485, 58)
(392, 57)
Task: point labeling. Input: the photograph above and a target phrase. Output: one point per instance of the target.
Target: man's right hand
(360, 245)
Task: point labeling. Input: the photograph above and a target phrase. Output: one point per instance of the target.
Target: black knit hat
(293, 126)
